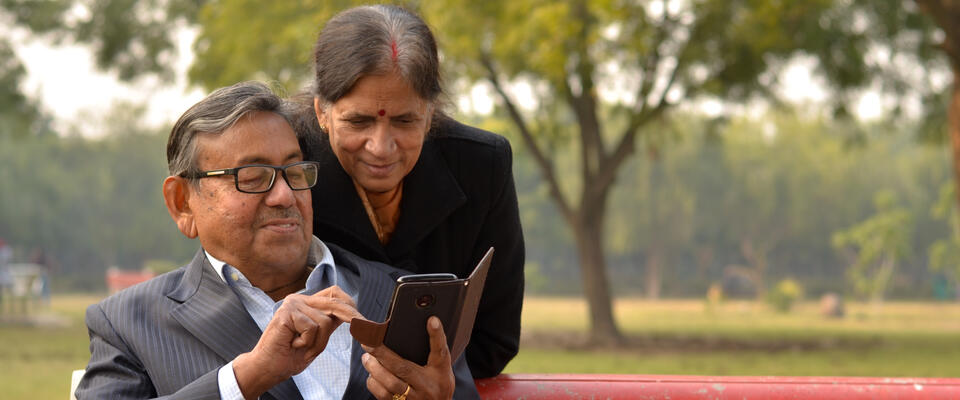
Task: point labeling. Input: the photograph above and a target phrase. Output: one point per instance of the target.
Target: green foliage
(699, 190)
(879, 242)
(242, 40)
(944, 254)
(784, 295)
(783, 182)
(19, 116)
(89, 203)
(131, 37)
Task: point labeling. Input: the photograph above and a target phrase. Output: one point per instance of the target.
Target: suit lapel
(430, 194)
(376, 288)
(214, 315)
(336, 204)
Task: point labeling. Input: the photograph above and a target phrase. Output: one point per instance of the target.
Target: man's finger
(337, 293)
(343, 310)
(305, 329)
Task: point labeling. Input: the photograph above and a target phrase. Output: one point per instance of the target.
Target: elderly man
(260, 310)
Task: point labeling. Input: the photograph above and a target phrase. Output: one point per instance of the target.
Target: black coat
(458, 201)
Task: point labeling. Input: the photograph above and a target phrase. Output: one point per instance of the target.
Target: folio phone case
(454, 301)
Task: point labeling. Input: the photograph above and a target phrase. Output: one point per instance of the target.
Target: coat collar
(214, 315)
(376, 289)
(430, 195)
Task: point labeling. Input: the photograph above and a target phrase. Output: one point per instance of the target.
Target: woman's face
(377, 130)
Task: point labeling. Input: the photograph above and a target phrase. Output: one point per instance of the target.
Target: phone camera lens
(425, 300)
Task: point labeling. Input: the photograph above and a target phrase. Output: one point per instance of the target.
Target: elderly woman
(404, 184)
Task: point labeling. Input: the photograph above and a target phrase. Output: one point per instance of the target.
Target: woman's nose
(382, 142)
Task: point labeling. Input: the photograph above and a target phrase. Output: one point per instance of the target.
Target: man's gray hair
(215, 114)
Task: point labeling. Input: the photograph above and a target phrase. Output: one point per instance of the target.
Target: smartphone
(426, 278)
(418, 297)
(415, 299)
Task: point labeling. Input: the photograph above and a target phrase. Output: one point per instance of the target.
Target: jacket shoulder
(348, 259)
(147, 294)
(471, 152)
(452, 132)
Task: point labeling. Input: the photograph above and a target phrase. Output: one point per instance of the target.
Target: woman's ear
(321, 115)
(176, 195)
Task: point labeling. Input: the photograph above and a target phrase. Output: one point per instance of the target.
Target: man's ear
(321, 116)
(176, 195)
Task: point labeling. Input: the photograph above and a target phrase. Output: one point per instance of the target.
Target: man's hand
(298, 332)
(390, 374)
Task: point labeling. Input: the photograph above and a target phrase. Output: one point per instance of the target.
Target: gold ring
(402, 396)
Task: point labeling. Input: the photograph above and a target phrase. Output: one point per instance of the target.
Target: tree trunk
(756, 256)
(655, 251)
(654, 268)
(953, 116)
(593, 271)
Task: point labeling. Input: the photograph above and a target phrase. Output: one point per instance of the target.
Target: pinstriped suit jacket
(169, 336)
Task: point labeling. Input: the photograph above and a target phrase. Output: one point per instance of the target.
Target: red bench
(683, 387)
(118, 279)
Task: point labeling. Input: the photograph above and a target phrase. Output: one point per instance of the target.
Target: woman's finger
(439, 351)
(382, 376)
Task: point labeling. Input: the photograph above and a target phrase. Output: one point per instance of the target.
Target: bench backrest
(684, 387)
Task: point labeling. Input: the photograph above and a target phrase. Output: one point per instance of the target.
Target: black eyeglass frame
(236, 178)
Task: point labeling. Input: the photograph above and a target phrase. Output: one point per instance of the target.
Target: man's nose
(280, 195)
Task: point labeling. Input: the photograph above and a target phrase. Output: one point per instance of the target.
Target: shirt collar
(318, 255)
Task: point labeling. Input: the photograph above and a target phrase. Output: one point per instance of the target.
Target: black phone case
(413, 304)
(404, 331)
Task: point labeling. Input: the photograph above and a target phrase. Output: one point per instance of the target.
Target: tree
(615, 67)
(945, 253)
(877, 244)
(656, 55)
(19, 116)
(946, 13)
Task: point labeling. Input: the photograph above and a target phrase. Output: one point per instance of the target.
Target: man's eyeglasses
(259, 178)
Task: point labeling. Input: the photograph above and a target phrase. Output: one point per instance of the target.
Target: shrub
(784, 295)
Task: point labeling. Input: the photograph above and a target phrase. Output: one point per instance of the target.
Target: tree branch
(625, 147)
(945, 14)
(538, 155)
(652, 63)
(584, 105)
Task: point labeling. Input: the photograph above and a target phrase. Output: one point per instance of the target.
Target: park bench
(689, 387)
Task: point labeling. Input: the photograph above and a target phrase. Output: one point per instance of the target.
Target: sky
(79, 96)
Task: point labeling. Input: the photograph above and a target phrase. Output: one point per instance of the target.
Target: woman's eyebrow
(407, 115)
(354, 115)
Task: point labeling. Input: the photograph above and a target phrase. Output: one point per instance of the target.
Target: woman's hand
(394, 378)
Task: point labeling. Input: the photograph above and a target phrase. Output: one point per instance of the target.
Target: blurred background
(760, 187)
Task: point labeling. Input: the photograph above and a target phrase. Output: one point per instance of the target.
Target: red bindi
(382, 112)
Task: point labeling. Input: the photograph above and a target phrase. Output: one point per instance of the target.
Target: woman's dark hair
(376, 40)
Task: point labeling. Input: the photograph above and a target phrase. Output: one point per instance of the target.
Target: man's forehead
(256, 137)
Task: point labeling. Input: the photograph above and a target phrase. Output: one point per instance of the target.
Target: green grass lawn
(666, 337)
(744, 338)
(37, 361)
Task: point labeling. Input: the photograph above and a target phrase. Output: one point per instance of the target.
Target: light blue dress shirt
(326, 377)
